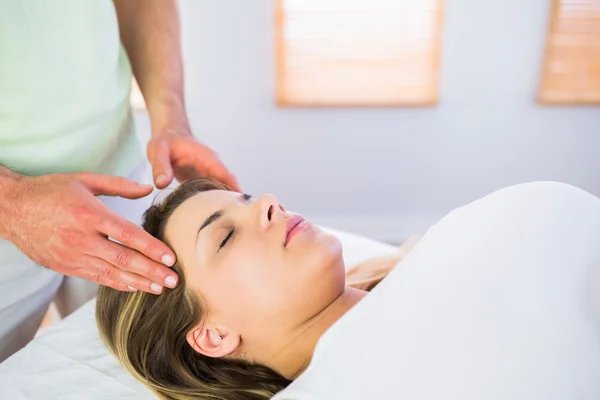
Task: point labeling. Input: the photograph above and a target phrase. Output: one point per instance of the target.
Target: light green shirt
(64, 89)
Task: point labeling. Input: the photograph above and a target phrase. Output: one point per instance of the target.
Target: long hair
(147, 333)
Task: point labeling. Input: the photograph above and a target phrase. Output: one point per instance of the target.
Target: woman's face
(256, 270)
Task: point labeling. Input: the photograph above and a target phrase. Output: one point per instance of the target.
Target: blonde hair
(147, 332)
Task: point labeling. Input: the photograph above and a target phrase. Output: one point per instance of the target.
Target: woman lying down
(500, 304)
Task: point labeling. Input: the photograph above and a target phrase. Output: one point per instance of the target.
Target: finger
(98, 270)
(134, 237)
(230, 181)
(112, 284)
(90, 274)
(160, 158)
(185, 173)
(107, 185)
(220, 173)
(130, 260)
(217, 170)
(121, 287)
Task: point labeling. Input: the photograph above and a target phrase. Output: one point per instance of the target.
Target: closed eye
(226, 239)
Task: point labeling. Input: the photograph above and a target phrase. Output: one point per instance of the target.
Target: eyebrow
(212, 218)
(243, 198)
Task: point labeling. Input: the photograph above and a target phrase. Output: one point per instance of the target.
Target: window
(571, 72)
(358, 52)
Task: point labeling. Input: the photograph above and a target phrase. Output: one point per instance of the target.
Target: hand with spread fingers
(58, 222)
(181, 156)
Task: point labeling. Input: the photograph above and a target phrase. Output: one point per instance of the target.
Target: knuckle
(137, 283)
(69, 183)
(98, 267)
(98, 278)
(125, 235)
(146, 248)
(99, 222)
(106, 250)
(123, 258)
(82, 212)
(106, 275)
(152, 272)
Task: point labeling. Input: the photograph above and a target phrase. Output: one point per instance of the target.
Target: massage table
(523, 260)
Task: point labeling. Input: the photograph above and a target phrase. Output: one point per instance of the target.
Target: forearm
(150, 33)
(9, 182)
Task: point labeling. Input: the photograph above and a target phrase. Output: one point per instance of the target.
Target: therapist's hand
(57, 221)
(181, 156)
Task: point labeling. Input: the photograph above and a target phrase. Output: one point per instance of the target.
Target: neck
(297, 352)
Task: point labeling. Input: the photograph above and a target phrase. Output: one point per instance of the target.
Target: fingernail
(146, 186)
(168, 260)
(156, 288)
(161, 178)
(171, 281)
(132, 288)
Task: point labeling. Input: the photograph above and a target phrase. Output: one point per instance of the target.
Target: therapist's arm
(150, 33)
(8, 181)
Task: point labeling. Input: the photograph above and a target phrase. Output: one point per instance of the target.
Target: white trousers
(26, 289)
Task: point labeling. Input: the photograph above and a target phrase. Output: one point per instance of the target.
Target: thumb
(107, 185)
(160, 160)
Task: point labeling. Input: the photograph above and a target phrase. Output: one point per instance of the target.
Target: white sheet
(70, 362)
(500, 300)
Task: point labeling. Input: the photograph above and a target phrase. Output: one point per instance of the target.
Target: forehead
(189, 216)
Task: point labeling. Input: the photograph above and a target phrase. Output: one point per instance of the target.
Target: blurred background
(380, 117)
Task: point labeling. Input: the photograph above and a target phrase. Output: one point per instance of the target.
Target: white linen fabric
(500, 300)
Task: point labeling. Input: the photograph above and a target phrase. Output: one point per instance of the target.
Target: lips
(291, 224)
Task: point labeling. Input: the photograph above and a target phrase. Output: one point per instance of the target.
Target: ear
(206, 339)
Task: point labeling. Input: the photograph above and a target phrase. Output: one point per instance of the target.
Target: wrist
(11, 184)
(169, 117)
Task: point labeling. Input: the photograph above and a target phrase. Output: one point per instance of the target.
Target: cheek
(248, 284)
(255, 284)
(259, 279)
(280, 284)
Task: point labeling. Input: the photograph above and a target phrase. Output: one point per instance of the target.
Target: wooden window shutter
(571, 71)
(358, 52)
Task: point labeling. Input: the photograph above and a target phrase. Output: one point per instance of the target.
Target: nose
(269, 211)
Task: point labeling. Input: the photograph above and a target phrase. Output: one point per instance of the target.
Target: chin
(326, 246)
(321, 272)
(326, 256)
